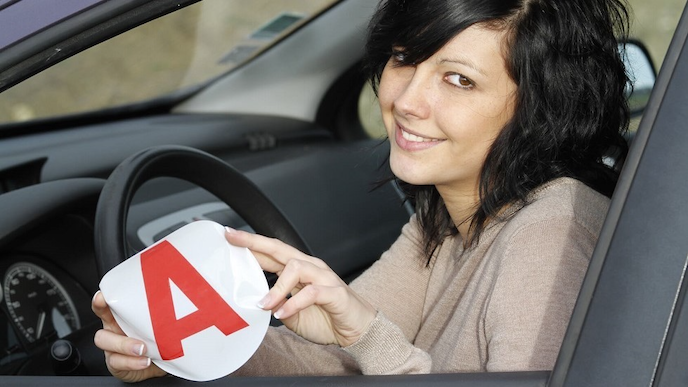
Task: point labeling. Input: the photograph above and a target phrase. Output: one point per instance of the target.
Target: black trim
(520, 379)
(85, 30)
(338, 110)
(672, 370)
(7, 4)
(47, 200)
(22, 175)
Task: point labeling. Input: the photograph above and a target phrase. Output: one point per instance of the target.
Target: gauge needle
(60, 323)
(39, 325)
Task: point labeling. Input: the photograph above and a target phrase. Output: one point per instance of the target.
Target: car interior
(336, 192)
(276, 145)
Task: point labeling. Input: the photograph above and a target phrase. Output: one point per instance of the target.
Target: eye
(459, 80)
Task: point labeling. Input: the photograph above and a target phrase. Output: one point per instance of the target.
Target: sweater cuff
(382, 349)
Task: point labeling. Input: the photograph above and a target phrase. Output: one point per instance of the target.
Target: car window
(175, 52)
(652, 23)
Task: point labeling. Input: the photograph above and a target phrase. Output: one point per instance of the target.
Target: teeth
(413, 138)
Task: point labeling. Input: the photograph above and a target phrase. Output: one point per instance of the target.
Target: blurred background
(169, 54)
(207, 39)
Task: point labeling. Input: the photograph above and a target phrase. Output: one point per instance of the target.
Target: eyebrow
(463, 61)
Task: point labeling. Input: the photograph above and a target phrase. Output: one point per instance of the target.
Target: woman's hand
(322, 308)
(124, 356)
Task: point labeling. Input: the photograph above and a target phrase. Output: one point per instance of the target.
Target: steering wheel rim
(192, 165)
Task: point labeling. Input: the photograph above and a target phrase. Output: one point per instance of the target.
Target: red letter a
(163, 263)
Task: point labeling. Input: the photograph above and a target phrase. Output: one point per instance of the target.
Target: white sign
(191, 297)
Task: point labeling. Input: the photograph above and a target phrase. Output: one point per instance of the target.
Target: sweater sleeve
(383, 350)
(538, 282)
(395, 285)
(284, 353)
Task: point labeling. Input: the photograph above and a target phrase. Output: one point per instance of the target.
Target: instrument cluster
(39, 303)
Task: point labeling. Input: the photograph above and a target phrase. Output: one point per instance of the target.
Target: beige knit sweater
(503, 305)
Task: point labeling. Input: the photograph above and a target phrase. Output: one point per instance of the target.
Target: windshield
(175, 52)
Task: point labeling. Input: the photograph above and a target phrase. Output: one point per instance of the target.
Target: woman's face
(443, 114)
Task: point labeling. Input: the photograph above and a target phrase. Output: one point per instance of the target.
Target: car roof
(20, 19)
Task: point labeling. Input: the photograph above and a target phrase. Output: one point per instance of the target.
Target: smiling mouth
(414, 138)
(411, 142)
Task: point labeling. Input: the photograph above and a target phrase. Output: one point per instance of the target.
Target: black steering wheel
(192, 165)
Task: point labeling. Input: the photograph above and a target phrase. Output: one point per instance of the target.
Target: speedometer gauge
(37, 303)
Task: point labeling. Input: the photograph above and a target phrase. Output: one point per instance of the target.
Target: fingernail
(145, 362)
(278, 314)
(138, 349)
(266, 300)
(94, 296)
(229, 230)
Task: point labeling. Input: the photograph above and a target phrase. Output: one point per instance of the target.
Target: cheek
(482, 121)
(386, 91)
(471, 133)
(386, 95)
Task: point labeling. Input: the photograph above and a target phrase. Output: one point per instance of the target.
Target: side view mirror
(641, 73)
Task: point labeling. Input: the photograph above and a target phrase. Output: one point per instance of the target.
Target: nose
(414, 94)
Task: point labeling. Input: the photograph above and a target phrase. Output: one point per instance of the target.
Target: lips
(412, 141)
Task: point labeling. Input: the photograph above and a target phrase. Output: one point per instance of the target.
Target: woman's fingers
(111, 338)
(310, 295)
(271, 253)
(295, 274)
(261, 244)
(101, 309)
(131, 369)
(119, 362)
(115, 342)
(293, 267)
(124, 356)
(343, 317)
(322, 308)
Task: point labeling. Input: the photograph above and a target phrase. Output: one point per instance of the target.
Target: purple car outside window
(22, 18)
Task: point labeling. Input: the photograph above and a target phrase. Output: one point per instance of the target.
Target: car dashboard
(334, 193)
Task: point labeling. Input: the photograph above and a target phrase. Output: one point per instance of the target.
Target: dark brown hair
(571, 109)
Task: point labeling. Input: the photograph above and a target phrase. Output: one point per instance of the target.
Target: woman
(501, 116)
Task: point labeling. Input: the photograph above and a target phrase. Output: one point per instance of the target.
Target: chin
(409, 174)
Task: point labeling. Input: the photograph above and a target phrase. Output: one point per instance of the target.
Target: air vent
(21, 175)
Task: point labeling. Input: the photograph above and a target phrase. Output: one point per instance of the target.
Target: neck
(461, 205)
